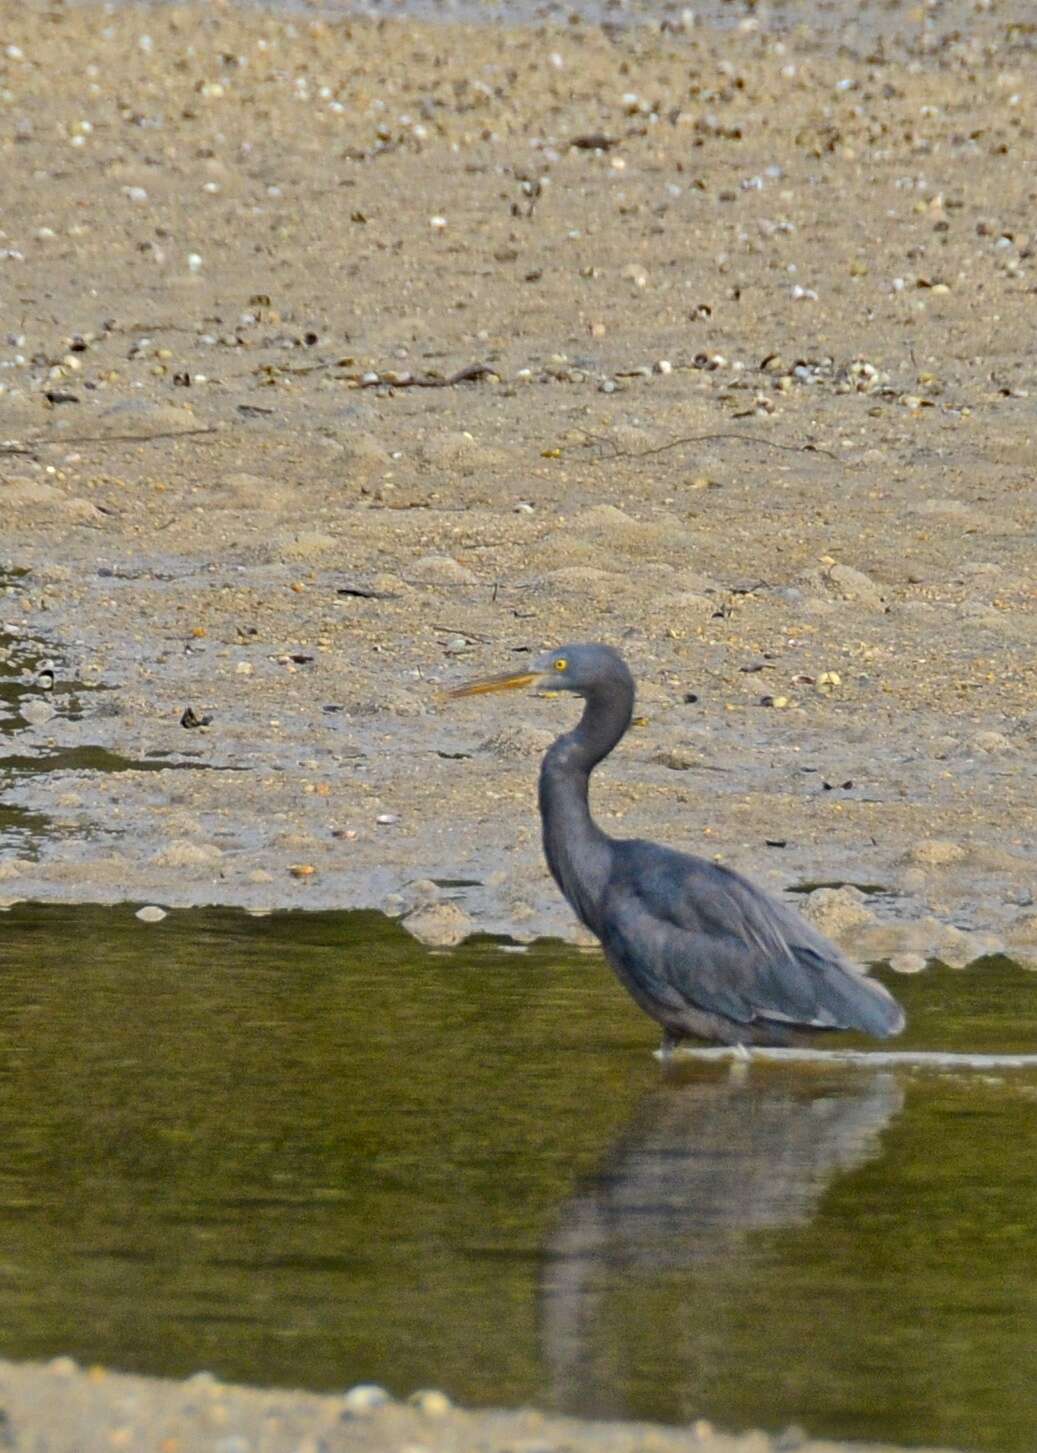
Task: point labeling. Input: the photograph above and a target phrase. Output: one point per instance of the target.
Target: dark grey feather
(731, 948)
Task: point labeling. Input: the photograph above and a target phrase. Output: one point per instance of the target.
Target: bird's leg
(741, 1060)
(669, 1044)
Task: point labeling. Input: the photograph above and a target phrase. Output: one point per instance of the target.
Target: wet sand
(69, 1411)
(344, 359)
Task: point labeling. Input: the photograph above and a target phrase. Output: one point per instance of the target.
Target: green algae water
(304, 1150)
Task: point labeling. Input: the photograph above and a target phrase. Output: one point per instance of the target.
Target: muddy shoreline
(739, 329)
(753, 401)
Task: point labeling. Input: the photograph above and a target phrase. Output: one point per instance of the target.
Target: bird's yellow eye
(561, 664)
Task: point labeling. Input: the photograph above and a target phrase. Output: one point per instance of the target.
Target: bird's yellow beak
(510, 681)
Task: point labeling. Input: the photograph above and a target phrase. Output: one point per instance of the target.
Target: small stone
(677, 759)
(441, 925)
(853, 584)
(182, 853)
(140, 417)
(151, 913)
(907, 963)
(306, 544)
(430, 1401)
(441, 570)
(37, 713)
(421, 892)
(363, 1399)
(957, 949)
(203, 1379)
(849, 584)
(517, 741)
(302, 870)
(838, 911)
(386, 819)
(992, 742)
(937, 853)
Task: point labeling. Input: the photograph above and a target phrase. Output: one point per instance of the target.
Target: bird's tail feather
(856, 1001)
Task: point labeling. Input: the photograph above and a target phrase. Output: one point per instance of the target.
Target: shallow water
(302, 1149)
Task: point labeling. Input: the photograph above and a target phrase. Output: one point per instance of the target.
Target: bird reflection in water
(705, 1163)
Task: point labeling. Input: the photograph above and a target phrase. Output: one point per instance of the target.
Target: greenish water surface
(304, 1150)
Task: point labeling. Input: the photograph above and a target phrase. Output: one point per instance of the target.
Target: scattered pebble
(364, 1399)
(907, 963)
(937, 853)
(150, 914)
(838, 912)
(442, 925)
(182, 853)
(430, 1401)
(36, 712)
(992, 742)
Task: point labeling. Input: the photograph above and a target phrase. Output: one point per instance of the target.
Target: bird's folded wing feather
(702, 934)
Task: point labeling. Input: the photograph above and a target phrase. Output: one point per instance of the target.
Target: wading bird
(700, 948)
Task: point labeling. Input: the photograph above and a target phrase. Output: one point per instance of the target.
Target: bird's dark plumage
(700, 948)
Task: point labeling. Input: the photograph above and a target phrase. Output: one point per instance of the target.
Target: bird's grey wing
(669, 969)
(734, 950)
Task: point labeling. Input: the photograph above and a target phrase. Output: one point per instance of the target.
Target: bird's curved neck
(577, 851)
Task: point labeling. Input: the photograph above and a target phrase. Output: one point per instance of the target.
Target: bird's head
(582, 669)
